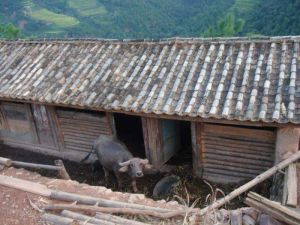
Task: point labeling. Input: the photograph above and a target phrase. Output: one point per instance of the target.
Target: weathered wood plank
(258, 134)
(228, 151)
(292, 185)
(242, 160)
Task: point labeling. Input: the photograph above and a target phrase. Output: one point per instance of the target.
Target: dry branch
(265, 175)
(129, 211)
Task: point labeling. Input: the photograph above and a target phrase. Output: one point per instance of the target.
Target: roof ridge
(162, 40)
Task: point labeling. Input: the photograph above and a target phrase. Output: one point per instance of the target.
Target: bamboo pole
(129, 211)
(265, 175)
(25, 185)
(88, 200)
(34, 165)
(42, 190)
(5, 161)
(117, 219)
(81, 217)
(60, 220)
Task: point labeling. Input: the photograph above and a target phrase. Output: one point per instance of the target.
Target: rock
(108, 191)
(248, 220)
(267, 220)
(164, 187)
(251, 212)
(236, 217)
(223, 215)
(173, 203)
(136, 197)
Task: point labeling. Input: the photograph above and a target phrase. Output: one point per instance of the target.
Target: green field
(87, 7)
(59, 20)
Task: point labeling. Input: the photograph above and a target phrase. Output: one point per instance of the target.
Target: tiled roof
(238, 78)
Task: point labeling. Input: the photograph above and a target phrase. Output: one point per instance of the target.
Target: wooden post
(196, 146)
(62, 171)
(287, 143)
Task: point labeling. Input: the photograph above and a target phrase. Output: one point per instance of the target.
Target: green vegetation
(227, 27)
(151, 18)
(9, 31)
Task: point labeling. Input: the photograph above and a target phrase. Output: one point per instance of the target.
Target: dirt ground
(83, 173)
(15, 207)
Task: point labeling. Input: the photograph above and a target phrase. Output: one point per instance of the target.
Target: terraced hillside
(147, 18)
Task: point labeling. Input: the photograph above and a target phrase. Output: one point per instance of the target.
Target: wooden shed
(234, 101)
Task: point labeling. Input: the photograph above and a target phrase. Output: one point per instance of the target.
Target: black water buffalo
(115, 157)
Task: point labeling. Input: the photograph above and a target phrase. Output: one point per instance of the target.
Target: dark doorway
(129, 130)
(184, 155)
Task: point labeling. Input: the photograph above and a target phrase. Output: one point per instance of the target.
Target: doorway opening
(184, 155)
(130, 132)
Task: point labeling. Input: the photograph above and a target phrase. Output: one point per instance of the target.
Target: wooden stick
(5, 161)
(272, 208)
(129, 211)
(62, 172)
(273, 204)
(80, 217)
(59, 220)
(88, 200)
(265, 175)
(34, 165)
(118, 219)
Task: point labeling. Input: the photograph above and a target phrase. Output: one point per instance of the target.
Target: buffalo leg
(118, 177)
(133, 182)
(106, 174)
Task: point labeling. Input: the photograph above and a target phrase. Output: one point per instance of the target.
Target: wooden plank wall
(231, 154)
(17, 123)
(80, 129)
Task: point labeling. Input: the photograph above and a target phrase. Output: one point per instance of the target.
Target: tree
(9, 31)
(227, 27)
